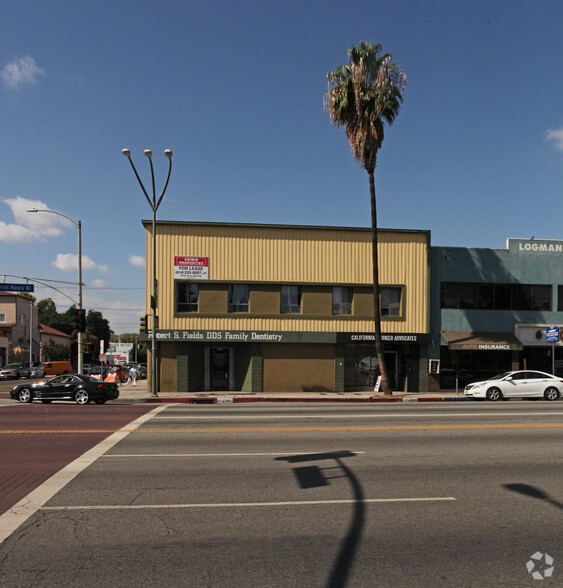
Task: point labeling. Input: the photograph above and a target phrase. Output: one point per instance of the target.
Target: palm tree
(362, 96)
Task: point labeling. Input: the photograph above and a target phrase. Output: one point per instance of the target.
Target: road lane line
(128, 455)
(249, 504)
(30, 504)
(287, 429)
(355, 416)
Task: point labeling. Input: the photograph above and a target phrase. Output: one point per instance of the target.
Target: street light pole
(78, 223)
(154, 204)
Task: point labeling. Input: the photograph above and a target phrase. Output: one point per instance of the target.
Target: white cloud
(39, 224)
(137, 260)
(555, 136)
(15, 233)
(68, 262)
(22, 71)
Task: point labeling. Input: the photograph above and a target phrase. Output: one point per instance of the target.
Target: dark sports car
(78, 387)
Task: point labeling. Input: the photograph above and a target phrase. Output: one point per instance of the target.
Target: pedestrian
(132, 375)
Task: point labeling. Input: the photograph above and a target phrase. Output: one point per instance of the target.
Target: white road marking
(267, 417)
(248, 504)
(30, 504)
(129, 455)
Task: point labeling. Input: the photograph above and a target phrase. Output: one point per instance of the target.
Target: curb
(240, 400)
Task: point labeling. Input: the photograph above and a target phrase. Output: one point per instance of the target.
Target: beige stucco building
(19, 328)
(263, 308)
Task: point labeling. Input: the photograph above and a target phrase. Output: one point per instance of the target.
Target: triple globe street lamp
(78, 223)
(154, 204)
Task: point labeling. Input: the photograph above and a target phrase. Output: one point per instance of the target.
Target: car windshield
(11, 366)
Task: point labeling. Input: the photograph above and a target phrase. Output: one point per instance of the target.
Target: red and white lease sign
(191, 268)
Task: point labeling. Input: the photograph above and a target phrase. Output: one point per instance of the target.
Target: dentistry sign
(191, 268)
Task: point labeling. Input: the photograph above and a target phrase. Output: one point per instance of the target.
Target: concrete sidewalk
(140, 393)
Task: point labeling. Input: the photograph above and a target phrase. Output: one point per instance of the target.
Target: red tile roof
(50, 331)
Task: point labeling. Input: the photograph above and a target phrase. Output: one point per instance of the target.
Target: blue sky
(235, 89)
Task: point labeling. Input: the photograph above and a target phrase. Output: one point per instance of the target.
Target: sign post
(552, 336)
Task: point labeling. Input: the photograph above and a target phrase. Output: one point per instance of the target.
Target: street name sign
(16, 288)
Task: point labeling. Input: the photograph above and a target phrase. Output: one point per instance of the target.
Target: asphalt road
(460, 494)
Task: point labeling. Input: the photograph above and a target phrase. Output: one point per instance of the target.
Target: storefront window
(290, 299)
(188, 297)
(239, 295)
(361, 367)
(471, 366)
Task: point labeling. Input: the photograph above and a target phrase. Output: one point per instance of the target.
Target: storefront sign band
(203, 335)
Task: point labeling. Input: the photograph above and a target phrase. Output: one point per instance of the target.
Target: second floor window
(341, 300)
(290, 299)
(239, 295)
(469, 295)
(188, 297)
(390, 301)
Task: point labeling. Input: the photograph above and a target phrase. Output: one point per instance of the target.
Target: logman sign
(535, 246)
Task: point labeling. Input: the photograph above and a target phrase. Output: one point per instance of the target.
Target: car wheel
(25, 395)
(494, 394)
(551, 393)
(81, 397)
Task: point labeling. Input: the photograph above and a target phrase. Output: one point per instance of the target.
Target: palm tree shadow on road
(313, 477)
(533, 492)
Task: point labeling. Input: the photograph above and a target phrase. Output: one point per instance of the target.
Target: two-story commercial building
(262, 308)
(492, 309)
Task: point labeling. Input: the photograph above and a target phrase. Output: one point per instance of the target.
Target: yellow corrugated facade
(280, 254)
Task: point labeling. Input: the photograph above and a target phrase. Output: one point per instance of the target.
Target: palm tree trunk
(375, 263)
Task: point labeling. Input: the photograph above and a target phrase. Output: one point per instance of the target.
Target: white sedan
(520, 384)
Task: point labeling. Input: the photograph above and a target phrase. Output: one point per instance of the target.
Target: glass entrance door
(219, 368)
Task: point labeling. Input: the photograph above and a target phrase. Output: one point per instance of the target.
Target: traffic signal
(143, 324)
(80, 320)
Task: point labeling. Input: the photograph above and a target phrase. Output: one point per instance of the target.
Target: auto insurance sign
(191, 268)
